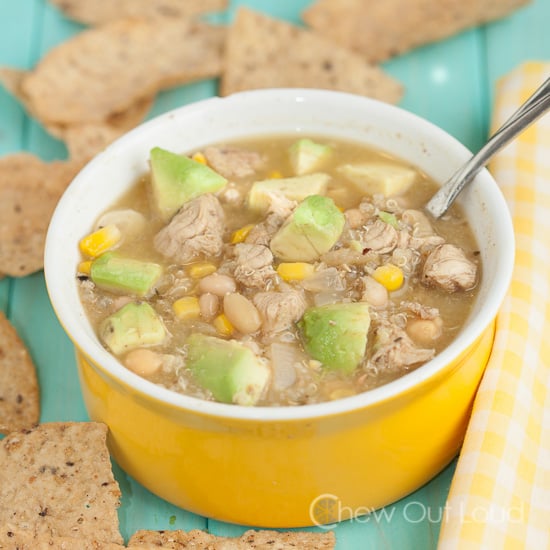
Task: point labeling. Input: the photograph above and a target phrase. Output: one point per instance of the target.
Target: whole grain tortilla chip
(83, 141)
(29, 192)
(380, 30)
(11, 539)
(258, 540)
(56, 480)
(19, 393)
(105, 70)
(263, 52)
(101, 11)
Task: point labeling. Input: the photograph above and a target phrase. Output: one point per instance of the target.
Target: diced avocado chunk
(306, 155)
(336, 334)
(372, 178)
(176, 179)
(115, 273)
(311, 230)
(134, 325)
(296, 189)
(228, 369)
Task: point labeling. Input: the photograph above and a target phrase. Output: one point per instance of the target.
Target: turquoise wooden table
(451, 83)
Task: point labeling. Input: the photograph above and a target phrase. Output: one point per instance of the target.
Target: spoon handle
(530, 111)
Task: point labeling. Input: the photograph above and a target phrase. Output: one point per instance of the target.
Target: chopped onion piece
(283, 360)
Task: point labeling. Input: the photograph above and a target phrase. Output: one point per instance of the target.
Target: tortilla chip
(56, 481)
(21, 540)
(101, 11)
(29, 192)
(106, 70)
(265, 540)
(83, 141)
(262, 52)
(19, 394)
(380, 30)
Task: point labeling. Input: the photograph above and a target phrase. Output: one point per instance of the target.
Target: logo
(325, 510)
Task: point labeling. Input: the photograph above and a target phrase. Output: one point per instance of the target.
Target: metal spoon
(530, 111)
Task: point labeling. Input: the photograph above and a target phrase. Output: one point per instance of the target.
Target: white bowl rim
(97, 354)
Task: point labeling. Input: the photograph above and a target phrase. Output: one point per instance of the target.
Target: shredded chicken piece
(345, 256)
(421, 311)
(280, 205)
(448, 268)
(262, 232)
(279, 310)
(233, 162)
(394, 349)
(380, 237)
(253, 265)
(195, 231)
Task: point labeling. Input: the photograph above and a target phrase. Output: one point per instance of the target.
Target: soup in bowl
(262, 311)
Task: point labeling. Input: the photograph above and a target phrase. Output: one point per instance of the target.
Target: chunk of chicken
(279, 310)
(379, 237)
(233, 162)
(420, 310)
(253, 265)
(394, 349)
(262, 232)
(422, 235)
(195, 231)
(447, 267)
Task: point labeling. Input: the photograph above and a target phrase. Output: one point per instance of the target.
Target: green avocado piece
(124, 275)
(134, 325)
(176, 179)
(336, 334)
(311, 230)
(306, 155)
(295, 189)
(231, 371)
(384, 178)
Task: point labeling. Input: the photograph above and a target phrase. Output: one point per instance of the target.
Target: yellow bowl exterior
(271, 473)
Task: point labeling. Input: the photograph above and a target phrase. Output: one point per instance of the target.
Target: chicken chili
(277, 271)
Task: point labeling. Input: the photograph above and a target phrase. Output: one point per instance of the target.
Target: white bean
(374, 293)
(144, 362)
(241, 312)
(217, 284)
(424, 331)
(209, 305)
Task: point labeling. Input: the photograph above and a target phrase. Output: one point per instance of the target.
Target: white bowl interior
(269, 112)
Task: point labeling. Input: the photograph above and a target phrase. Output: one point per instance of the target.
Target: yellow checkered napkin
(500, 494)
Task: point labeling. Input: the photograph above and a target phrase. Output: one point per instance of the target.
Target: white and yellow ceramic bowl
(271, 466)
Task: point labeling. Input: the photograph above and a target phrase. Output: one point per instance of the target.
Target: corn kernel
(241, 234)
(100, 241)
(389, 275)
(201, 269)
(275, 175)
(199, 157)
(186, 308)
(223, 325)
(85, 267)
(295, 271)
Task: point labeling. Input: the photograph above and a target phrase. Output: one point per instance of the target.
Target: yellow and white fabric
(500, 493)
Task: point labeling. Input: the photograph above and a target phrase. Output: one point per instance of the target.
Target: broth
(282, 309)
